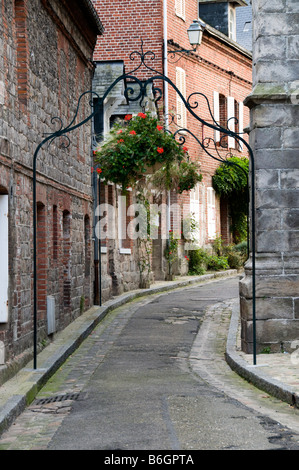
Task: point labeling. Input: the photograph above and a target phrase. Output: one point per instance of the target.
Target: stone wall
(274, 138)
(45, 64)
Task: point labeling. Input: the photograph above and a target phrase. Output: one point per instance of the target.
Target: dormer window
(222, 15)
(232, 28)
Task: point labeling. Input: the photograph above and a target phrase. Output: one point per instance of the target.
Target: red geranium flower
(142, 115)
(160, 128)
(160, 150)
(133, 132)
(185, 149)
(119, 132)
(99, 170)
(92, 169)
(120, 140)
(128, 117)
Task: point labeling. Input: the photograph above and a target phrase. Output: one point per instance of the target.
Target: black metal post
(100, 252)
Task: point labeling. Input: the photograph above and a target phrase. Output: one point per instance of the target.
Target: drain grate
(57, 398)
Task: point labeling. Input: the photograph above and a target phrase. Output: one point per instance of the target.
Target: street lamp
(195, 33)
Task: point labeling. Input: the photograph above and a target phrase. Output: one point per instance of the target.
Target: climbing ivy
(230, 181)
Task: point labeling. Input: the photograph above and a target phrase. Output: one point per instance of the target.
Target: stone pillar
(274, 138)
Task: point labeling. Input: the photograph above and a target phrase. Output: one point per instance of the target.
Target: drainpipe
(166, 106)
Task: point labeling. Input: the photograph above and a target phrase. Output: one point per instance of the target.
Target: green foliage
(218, 263)
(231, 176)
(198, 261)
(230, 182)
(234, 258)
(178, 176)
(134, 145)
(242, 248)
(171, 250)
(224, 257)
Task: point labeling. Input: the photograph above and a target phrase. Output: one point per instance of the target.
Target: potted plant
(177, 176)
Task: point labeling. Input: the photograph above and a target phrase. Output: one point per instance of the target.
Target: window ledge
(125, 251)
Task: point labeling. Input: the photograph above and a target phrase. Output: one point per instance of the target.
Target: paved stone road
(139, 382)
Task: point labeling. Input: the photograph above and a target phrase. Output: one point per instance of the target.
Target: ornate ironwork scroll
(138, 90)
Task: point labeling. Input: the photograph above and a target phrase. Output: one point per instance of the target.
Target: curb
(28, 381)
(251, 373)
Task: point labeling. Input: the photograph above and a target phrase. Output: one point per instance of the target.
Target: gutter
(89, 5)
(229, 42)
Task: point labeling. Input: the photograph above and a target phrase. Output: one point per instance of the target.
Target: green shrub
(234, 257)
(241, 248)
(218, 263)
(198, 261)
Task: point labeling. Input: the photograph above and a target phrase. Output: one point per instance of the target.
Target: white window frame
(241, 123)
(211, 210)
(232, 23)
(181, 107)
(216, 114)
(180, 9)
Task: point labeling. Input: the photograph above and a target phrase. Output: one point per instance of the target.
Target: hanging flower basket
(134, 148)
(178, 177)
(150, 170)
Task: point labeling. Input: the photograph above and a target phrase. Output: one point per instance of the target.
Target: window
(223, 119)
(211, 200)
(181, 108)
(55, 233)
(229, 114)
(66, 230)
(180, 8)
(4, 258)
(232, 30)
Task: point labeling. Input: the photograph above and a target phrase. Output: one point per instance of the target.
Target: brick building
(220, 68)
(46, 49)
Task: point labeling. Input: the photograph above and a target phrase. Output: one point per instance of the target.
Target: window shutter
(211, 213)
(231, 122)
(241, 122)
(216, 115)
(180, 8)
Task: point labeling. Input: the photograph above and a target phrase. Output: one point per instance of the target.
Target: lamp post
(195, 34)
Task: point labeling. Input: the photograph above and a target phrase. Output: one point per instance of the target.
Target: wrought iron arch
(207, 144)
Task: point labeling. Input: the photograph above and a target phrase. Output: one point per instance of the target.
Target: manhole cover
(57, 398)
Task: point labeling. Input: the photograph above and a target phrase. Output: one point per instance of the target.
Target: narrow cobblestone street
(138, 382)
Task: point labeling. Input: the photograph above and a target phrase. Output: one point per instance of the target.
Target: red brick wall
(126, 23)
(214, 67)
